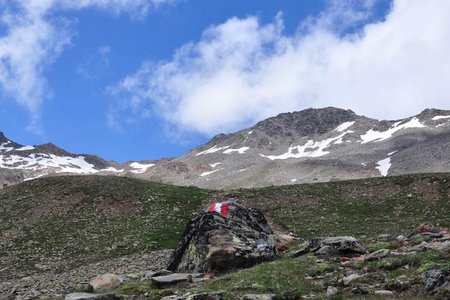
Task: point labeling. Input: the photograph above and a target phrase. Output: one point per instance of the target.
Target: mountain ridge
(315, 144)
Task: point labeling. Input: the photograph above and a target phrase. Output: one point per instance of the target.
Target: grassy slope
(369, 207)
(69, 221)
(73, 220)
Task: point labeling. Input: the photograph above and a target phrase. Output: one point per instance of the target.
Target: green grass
(74, 220)
(84, 219)
(392, 205)
(284, 277)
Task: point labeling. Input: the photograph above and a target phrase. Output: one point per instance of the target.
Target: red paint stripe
(225, 209)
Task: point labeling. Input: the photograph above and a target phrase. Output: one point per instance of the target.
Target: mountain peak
(308, 121)
(433, 112)
(3, 138)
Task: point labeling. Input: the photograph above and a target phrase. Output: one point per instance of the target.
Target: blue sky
(145, 79)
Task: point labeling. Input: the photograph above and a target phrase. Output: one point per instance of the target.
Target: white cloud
(35, 34)
(242, 71)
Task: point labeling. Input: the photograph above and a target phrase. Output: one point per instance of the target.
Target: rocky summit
(313, 145)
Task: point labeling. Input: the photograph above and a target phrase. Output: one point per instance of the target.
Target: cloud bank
(242, 71)
(35, 34)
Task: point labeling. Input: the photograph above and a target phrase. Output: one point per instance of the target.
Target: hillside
(59, 223)
(64, 222)
(312, 145)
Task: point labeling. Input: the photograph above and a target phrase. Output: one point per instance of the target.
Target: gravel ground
(50, 284)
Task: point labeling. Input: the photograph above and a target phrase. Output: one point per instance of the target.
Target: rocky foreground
(219, 242)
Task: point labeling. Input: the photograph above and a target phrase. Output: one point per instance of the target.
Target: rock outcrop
(226, 236)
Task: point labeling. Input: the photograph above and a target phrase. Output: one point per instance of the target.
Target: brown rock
(106, 282)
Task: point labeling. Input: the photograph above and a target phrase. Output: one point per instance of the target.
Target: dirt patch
(54, 207)
(426, 188)
(114, 208)
(383, 190)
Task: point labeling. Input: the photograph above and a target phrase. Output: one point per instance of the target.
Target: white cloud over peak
(34, 35)
(242, 71)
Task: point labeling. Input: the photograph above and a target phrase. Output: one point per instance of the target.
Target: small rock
(383, 293)
(173, 297)
(106, 282)
(326, 251)
(383, 237)
(382, 253)
(89, 296)
(360, 290)
(427, 228)
(149, 274)
(175, 278)
(42, 267)
(304, 248)
(418, 248)
(437, 280)
(331, 291)
(258, 297)
(440, 246)
(281, 247)
(201, 296)
(400, 238)
(286, 239)
(344, 244)
(348, 279)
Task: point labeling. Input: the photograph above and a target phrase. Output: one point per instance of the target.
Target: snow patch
(393, 152)
(344, 126)
(377, 136)
(40, 161)
(440, 118)
(310, 149)
(35, 177)
(215, 164)
(111, 169)
(212, 150)
(3, 147)
(209, 172)
(383, 166)
(141, 168)
(239, 150)
(25, 148)
(250, 132)
(293, 180)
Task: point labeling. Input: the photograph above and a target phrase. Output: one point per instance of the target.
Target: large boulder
(225, 236)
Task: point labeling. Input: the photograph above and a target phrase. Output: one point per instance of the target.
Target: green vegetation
(77, 220)
(392, 205)
(285, 277)
(70, 221)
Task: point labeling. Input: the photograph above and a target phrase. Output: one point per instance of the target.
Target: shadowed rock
(216, 242)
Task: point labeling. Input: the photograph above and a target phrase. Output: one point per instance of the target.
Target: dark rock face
(3, 138)
(438, 282)
(239, 238)
(307, 122)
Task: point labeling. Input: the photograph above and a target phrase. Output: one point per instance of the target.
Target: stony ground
(50, 284)
(52, 225)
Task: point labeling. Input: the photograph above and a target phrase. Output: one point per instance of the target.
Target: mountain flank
(313, 145)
